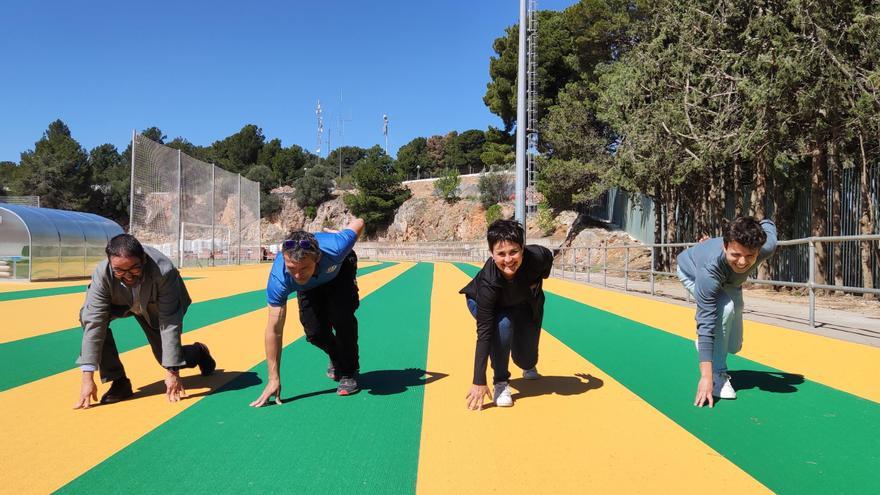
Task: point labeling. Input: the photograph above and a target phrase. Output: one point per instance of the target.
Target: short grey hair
(301, 244)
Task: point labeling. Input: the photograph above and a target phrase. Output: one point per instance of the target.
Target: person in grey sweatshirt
(713, 271)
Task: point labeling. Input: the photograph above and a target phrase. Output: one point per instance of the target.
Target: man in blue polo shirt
(321, 268)
(713, 271)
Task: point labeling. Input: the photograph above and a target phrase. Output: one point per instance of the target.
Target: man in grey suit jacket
(140, 282)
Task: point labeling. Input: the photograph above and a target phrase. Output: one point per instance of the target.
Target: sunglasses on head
(290, 244)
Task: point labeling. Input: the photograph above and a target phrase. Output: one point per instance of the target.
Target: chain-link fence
(250, 221)
(195, 212)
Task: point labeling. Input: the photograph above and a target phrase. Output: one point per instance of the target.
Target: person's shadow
(217, 382)
(768, 381)
(576, 384)
(383, 382)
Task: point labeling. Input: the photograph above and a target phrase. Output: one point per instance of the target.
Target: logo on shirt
(332, 269)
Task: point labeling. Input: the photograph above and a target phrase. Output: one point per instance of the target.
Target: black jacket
(492, 291)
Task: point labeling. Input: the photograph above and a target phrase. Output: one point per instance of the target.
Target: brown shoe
(120, 389)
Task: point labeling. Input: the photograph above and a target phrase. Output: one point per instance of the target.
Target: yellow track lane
(46, 444)
(846, 366)
(37, 316)
(565, 434)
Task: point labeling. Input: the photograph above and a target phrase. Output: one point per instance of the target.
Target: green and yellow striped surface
(613, 413)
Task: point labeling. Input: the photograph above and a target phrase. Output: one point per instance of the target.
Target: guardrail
(575, 267)
(570, 267)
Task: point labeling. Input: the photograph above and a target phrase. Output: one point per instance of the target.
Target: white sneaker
(531, 374)
(502, 395)
(726, 391)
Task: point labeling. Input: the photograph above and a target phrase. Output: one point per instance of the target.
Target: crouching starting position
(507, 300)
(713, 271)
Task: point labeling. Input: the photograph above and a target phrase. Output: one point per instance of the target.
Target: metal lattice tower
(320, 116)
(531, 106)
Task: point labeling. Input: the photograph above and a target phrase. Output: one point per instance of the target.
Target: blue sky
(202, 70)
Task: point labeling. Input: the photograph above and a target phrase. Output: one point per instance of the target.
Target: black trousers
(330, 307)
(111, 366)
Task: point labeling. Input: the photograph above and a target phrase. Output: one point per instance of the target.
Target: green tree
(240, 150)
(462, 151)
(289, 164)
(498, 150)
(446, 186)
(347, 156)
(380, 191)
(413, 159)
(154, 134)
(8, 178)
(313, 188)
(261, 174)
(105, 173)
(57, 170)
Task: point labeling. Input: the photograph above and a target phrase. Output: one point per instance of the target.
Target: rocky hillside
(427, 218)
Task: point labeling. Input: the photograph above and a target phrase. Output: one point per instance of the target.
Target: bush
(345, 183)
(447, 185)
(313, 187)
(270, 204)
(492, 186)
(545, 221)
(493, 213)
(311, 212)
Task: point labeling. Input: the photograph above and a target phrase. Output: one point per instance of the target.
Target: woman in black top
(507, 300)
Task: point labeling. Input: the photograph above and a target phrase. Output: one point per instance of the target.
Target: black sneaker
(120, 389)
(207, 365)
(331, 372)
(347, 386)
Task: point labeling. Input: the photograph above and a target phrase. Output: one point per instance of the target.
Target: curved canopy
(48, 244)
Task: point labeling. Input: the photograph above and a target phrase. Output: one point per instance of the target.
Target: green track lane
(316, 442)
(26, 360)
(792, 434)
(54, 291)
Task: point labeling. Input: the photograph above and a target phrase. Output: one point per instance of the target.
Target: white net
(194, 212)
(155, 204)
(250, 221)
(197, 203)
(226, 214)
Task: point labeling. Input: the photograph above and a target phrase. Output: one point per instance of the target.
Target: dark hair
(505, 230)
(746, 231)
(301, 244)
(126, 246)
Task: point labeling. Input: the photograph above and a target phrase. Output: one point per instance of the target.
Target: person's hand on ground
(475, 397)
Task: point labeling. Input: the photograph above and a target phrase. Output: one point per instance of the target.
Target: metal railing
(422, 253)
(575, 267)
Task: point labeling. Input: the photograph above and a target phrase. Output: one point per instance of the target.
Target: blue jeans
(517, 335)
(728, 323)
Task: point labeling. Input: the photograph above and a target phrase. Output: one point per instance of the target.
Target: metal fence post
(652, 270)
(589, 262)
(812, 273)
(605, 264)
(213, 217)
(179, 210)
(239, 220)
(562, 261)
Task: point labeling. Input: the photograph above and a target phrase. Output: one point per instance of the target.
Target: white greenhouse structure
(48, 244)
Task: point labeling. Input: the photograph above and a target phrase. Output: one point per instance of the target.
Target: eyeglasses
(302, 243)
(133, 271)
